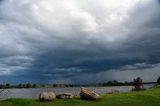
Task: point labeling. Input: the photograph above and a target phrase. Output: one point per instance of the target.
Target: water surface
(34, 92)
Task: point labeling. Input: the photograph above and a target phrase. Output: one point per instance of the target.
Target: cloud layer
(59, 41)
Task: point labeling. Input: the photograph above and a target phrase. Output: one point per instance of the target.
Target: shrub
(138, 84)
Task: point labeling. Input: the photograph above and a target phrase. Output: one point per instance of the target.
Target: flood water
(34, 92)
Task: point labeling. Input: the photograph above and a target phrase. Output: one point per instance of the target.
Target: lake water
(34, 92)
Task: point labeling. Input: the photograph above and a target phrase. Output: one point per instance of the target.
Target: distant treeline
(29, 85)
(109, 83)
(116, 83)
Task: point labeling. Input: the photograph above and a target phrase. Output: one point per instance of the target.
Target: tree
(34, 85)
(7, 85)
(158, 80)
(110, 83)
(138, 84)
(20, 86)
(28, 85)
(1, 86)
(115, 81)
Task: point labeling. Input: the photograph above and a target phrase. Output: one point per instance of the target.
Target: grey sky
(79, 41)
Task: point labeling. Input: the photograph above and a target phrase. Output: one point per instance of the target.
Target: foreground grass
(149, 97)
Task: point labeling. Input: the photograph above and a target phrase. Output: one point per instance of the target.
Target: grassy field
(149, 97)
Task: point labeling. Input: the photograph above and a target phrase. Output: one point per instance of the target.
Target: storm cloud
(86, 41)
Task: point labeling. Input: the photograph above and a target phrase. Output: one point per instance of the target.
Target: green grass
(149, 97)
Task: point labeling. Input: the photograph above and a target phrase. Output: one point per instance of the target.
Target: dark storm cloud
(57, 41)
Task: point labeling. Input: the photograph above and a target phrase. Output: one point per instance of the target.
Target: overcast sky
(79, 41)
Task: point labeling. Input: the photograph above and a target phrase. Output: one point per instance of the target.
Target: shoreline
(34, 92)
(148, 97)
